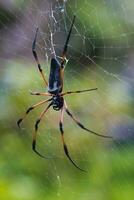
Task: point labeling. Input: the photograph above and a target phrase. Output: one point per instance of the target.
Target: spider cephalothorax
(57, 101)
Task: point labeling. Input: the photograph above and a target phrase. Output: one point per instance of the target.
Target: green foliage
(102, 29)
(25, 176)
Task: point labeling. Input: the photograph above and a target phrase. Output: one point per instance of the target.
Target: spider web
(100, 54)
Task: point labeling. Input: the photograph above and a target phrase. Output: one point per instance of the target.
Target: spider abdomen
(54, 77)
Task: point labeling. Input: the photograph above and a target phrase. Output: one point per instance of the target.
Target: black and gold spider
(57, 101)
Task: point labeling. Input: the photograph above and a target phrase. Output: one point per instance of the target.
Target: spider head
(57, 102)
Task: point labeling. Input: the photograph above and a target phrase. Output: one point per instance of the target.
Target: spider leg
(30, 109)
(82, 126)
(63, 57)
(36, 57)
(40, 94)
(36, 129)
(79, 91)
(63, 141)
(67, 40)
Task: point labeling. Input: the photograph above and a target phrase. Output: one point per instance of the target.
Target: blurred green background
(100, 55)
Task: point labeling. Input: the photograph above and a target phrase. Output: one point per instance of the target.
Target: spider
(57, 101)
